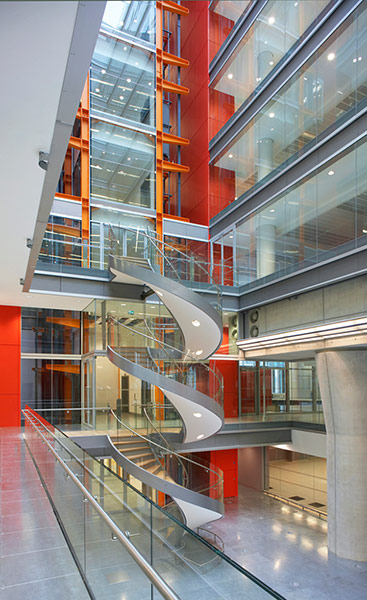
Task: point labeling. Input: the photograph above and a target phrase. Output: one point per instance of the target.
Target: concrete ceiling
(46, 48)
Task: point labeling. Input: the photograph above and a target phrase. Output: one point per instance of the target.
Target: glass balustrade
(103, 506)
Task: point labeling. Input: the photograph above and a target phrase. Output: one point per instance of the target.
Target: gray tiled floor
(35, 560)
(287, 549)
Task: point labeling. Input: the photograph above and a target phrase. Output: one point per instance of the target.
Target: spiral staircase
(178, 368)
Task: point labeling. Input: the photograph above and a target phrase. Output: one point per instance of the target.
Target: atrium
(183, 306)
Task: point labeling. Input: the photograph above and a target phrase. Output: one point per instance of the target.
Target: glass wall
(272, 389)
(278, 27)
(122, 80)
(328, 89)
(322, 216)
(122, 165)
(132, 18)
(51, 384)
(50, 331)
(223, 15)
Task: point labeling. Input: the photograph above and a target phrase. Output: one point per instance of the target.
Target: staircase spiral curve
(177, 368)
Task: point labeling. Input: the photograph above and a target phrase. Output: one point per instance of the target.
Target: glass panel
(223, 15)
(122, 80)
(322, 216)
(122, 164)
(278, 27)
(50, 331)
(328, 89)
(135, 18)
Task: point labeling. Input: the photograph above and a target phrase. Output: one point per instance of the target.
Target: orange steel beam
(67, 196)
(174, 167)
(174, 218)
(175, 88)
(64, 369)
(65, 321)
(75, 142)
(177, 61)
(64, 229)
(169, 138)
(67, 177)
(174, 8)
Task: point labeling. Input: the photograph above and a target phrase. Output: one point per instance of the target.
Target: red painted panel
(227, 460)
(10, 319)
(195, 112)
(10, 325)
(229, 370)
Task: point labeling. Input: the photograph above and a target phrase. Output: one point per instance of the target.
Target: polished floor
(287, 548)
(36, 563)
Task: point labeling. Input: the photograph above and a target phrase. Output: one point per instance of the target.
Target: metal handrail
(162, 587)
(202, 466)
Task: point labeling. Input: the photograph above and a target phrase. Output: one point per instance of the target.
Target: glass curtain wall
(48, 381)
(328, 90)
(272, 389)
(322, 216)
(278, 27)
(122, 104)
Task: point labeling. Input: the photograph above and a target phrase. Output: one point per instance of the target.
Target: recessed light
(121, 23)
(295, 4)
(98, 90)
(200, 437)
(331, 56)
(272, 210)
(331, 172)
(354, 60)
(123, 304)
(230, 155)
(149, 83)
(121, 97)
(271, 20)
(271, 63)
(137, 64)
(271, 115)
(103, 71)
(359, 57)
(364, 230)
(125, 47)
(128, 80)
(197, 415)
(230, 75)
(231, 237)
(258, 78)
(198, 352)
(196, 323)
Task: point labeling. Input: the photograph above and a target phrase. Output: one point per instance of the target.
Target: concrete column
(265, 157)
(265, 250)
(343, 383)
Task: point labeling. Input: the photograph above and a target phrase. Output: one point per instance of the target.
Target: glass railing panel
(187, 563)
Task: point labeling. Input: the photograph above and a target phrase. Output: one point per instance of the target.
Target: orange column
(84, 170)
(10, 318)
(159, 119)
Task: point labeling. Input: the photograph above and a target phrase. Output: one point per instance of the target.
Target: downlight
(197, 415)
(200, 437)
(198, 352)
(196, 323)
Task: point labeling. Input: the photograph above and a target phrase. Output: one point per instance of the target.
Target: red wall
(10, 328)
(195, 112)
(227, 460)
